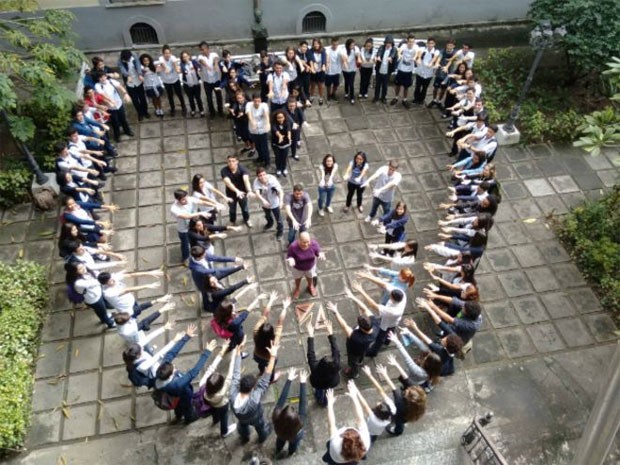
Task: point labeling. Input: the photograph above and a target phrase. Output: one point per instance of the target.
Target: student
(298, 208)
(394, 222)
(278, 86)
(132, 330)
(83, 282)
(259, 125)
(328, 169)
(153, 85)
(427, 62)
(178, 384)
(424, 370)
(270, 194)
(97, 104)
(214, 292)
(205, 191)
(115, 95)
(280, 141)
(121, 298)
(359, 339)
(265, 335)
(349, 68)
(293, 66)
(81, 214)
(241, 122)
(403, 280)
(317, 74)
(367, 63)
(346, 445)
(69, 233)
(335, 59)
(246, 394)
(464, 55)
(355, 175)
(388, 178)
(210, 75)
(404, 71)
(183, 210)
(190, 75)
(169, 70)
(215, 390)
(288, 422)
(131, 71)
(237, 181)
(202, 233)
(305, 56)
(441, 74)
(386, 59)
(87, 255)
(228, 322)
(379, 417)
(402, 254)
(467, 319)
(324, 373)
(297, 120)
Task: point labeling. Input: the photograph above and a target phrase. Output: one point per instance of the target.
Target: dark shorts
(441, 79)
(318, 77)
(332, 80)
(155, 92)
(403, 79)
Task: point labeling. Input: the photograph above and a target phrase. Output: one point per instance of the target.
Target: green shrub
(15, 179)
(23, 287)
(592, 235)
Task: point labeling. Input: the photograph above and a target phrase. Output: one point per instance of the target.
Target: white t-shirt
(383, 179)
(407, 55)
(89, 287)
(260, 116)
(190, 207)
(352, 58)
(109, 90)
(114, 295)
(129, 331)
(392, 312)
(335, 443)
(376, 426)
(270, 191)
(383, 69)
(169, 74)
(424, 70)
(208, 193)
(466, 57)
(209, 72)
(280, 89)
(334, 60)
(368, 57)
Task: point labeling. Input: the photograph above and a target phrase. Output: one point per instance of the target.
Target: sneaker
(244, 355)
(321, 212)
(406, 104)
(346, 209)
(390, 430)
(360, 209)
(320, 101)
(368, 219)
(329, 209)
(352, 101)
(193, 113)
(202, 114)
(231, 429)
(346, 96)
(348, 373)
(112, 325)
(360, 96)
(285, 173)
(249, 224)
(375, 222)
(246, 150)
(278, 173)
(267, 226)
(279, 235)
(296, 157)
(365, 96)
(252, 153)
(394, 101)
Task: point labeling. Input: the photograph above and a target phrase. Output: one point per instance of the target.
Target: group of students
(86, 159)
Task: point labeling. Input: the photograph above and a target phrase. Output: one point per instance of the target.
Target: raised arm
(343, 324)
(213, 366)
(331, 416)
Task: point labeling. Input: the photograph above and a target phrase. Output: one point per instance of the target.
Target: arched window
(143, 34)
(313, 22)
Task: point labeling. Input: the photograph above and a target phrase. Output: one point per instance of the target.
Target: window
(313, 22)
(143, 34)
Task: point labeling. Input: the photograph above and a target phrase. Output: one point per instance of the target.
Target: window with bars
(143, 34)
(313, 22)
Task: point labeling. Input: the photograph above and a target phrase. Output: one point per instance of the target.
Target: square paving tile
(563, 184)
(114, 383)
(543, 279)
(574, 332)
(545, 337)
(553, 252)
(44, 429)
(502, 314)
(487, 348)
(115, 416)
(530, 310)
(502, 259)
(516, 342)
(83, 387)
(585, 300)
(52, 359)
(528, 255)
(538, 187)
(48, 394)
(85, 353)
(515, 283)
(558, 305)
(82, 422)
(602, 326)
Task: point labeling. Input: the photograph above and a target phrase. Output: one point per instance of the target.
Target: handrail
(479, 447)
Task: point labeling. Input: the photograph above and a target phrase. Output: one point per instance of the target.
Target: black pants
(176, 88)
(304, 83)
(352, 189)
(381, 86)
(281, 154)
(296, 137)
(365, 76)
(261, 143)
(349, 83)
(209, 89)
(118, 118)
(138, 98)
(274, 215)
(421, 86)
(193, 95)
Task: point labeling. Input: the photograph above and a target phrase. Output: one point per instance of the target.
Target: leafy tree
(37, 53)
(593, 28)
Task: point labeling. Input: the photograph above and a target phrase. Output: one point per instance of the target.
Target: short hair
(104, 277)
(99, 75)
(121, 318)
(431, 38)
(165, 371)
(298, 188)
(397, 295)
(96, 60)
(382, 411)
(454, 343)
(472, 309)
(247, 383)
(254, 96)
(303, 42)
(165, 47)
(72, 246)
(197, 251)
(232, 156)
(260, 170)
(410, 36)
(180, 194)
(203, 44)
(451, 41)
(335, 39)
(215, 382)
(59, 147)
(364, 323)
(393, 164)
(71, 131)
(131, 354)
(494, 128)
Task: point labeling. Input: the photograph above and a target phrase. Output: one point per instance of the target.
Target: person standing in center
(298, 208)
(335, 60)
(386, 62)
(210, 75)
(269, 193)
(302, 257)
(278, 87)
(169, 65)
(257, 113)
(388, 178)
(237, 180)
(354, 175)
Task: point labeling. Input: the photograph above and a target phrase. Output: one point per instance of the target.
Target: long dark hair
(223, 313)
(348, 45)
(65, 233)
(363, 155)
(215, 382)
(327, 169)
(196, 183)
(264, 337)
(413, 245)
(286, 422)
(151, 65)
(72, 274)
(395, 215)
(131, 354)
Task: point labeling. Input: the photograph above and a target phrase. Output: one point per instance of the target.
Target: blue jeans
(102, 312)
(263, 429)
(321, 397)
(325, 196)
(184, 237)
(376, 203)
(220, 415)
(292, 232)
(271, 215)
(292, 445)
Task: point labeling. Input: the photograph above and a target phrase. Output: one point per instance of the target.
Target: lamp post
(542, 37)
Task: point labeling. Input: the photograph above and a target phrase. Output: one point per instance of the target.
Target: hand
(241, 194)
(273, 295)
(212, 344)
(169, 325)
(373, 246)
(292, 373)
(367, 371)
(178, 337)
(330, 327)
(303, 376)
(308, 223)
(422, 303)
(225, 346)
(229, 200)
(295, 224)
(245, 265)
(382, 370)
(156, 273)
(322, 256)
(352, 389)
(409, 323)
(286, 303)
(348, 293)
(392, 337)
(310, 329)
(273, 350)
(345, 177)
(290, 261)
(391, 360)
(364, 184)
(356, 286)
(332, 307)
(250, 279)
(191, 330)
(329, 396)
(154, 285)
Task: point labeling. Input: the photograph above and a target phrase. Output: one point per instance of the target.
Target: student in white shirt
(367, 63)
(170, 70)
(190, 73)
(184, 209)
(210, 75)
(114, 93)
(335, 61)
(122, 298)
(278, 87)
(349, 68)
(133, 331)
(427, 62)
(404, 72)
(270, 194)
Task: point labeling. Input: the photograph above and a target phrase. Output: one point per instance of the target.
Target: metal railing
(478, 446)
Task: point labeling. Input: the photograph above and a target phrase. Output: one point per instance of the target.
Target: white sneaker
(375, 222)
(285, 172)
(278, 173)
(330, 209)
(305, 124)
(231, 429)
(368, 219)
(321, 212)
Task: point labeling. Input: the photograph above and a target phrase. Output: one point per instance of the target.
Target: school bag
(74, 296)
(164, 401)
(221, 332)
(139, 379)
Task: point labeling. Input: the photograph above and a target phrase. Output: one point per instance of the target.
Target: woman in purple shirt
(301, 257)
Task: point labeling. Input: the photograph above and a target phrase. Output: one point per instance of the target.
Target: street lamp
(542, 37)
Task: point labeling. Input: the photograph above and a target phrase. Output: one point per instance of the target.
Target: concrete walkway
(537, 363)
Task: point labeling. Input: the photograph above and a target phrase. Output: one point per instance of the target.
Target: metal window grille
(314, 22)
(143, 34)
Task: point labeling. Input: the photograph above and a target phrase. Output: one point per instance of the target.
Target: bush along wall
(24, 291)
(592, 235)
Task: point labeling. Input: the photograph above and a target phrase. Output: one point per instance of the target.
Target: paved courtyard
(537, 363)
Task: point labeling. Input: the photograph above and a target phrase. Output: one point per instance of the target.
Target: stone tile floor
(536, 363)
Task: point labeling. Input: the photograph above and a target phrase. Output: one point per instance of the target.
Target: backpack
(221, 332)
(139, 379)
(164, 401)
(74, 296)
